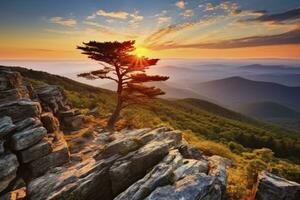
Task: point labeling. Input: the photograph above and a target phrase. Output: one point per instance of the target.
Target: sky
(51, 29)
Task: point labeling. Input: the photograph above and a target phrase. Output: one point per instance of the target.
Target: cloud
(290, 37)
(163, 20)
(63, 21)
(180, 4)
(279, 17)
(101, 28)
(168, 30)
(135, 18)
(113, 14)
(93, 16)
(188, 13)
(231, 8)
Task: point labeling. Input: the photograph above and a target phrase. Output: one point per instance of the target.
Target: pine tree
(120, 65)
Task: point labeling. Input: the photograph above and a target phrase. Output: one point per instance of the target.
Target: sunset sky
(51, 29)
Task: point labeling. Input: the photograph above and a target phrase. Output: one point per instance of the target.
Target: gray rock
(138, 164)
(69, 113)
(52, 98)
(27, 138)
(189, 152)
(2, 150)
(20, 110)
(194, 187)
(86, 180)
(273, 187)
(58, 156)
(73, 122)
(217, 168)
(28, 123)
(30, 89)
(13, 94)
(121, 147)
(8, 169)
(6, 126)
(134, 166)
(36, 151)
(191, 166)
(50, 122)
(162, 174)
(9, 80)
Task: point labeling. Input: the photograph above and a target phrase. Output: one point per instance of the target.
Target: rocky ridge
(31, 142)
(136, 164)
(152, 164)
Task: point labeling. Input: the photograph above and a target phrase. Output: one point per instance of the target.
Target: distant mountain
(269, 67)
(171, 92)
(237, 91)
(285, 79)
(267, 110)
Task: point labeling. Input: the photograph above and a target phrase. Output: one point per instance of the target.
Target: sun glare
(141, 51)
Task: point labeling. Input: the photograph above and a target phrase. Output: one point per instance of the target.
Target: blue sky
(156, 24)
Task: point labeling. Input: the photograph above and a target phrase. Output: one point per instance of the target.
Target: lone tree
(120, 65)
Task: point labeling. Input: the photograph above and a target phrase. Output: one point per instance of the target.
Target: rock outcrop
(271, 186)
(138, 164)
(27, 148)
(54, 100)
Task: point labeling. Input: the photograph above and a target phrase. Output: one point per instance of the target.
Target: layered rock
(138, 164)
(271, 186)
(27, 148)
(8, 170)
(54, 100)
(20, 109)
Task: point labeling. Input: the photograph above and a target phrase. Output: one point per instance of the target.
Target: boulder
(9, 79)
(119, 147)
(6, 126)
(27, 138)
(69, 113)
(52, 98)
(20, 109)
(36, 151)
(13, 94)
(8, 170)
(189, 167)
(134, 166)
(162, 174)
(193, 187)
(73, 122)
(190, 152)
(28, 123)
(86, 180)
(50, 122)
(58, 156)
(217, 168)
(31, 92)
(271, 186)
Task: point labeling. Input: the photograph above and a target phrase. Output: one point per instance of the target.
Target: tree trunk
(115, 115)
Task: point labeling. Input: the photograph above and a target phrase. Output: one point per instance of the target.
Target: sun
(141, 51)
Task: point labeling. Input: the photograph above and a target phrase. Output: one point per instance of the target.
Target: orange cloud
(63, 21)
(114, 14)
